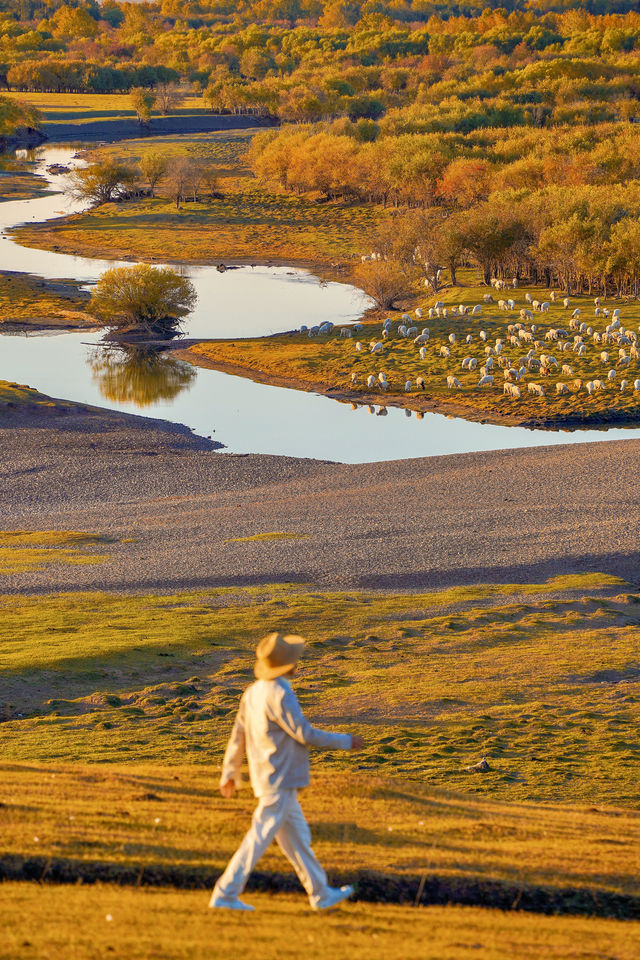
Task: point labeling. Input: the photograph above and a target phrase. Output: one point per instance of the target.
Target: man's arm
(292, 720)
(234, 755)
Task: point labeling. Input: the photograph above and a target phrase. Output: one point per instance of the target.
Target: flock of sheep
(523, 358)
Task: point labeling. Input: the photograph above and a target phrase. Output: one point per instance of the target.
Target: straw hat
(277, 654)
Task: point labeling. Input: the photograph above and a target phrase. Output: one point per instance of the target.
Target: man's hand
(228, 789)
(357, 743)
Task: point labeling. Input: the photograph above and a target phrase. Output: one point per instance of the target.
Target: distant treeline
(76, 76)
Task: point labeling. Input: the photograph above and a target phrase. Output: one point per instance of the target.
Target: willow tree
(143, 300)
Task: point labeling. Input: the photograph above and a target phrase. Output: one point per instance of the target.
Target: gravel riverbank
(507, 516)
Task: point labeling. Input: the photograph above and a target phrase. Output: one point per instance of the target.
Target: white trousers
(278, 817)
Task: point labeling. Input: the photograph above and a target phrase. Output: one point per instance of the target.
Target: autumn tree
(101, 182)
(143, 299)
(153, 167)
(142, 101)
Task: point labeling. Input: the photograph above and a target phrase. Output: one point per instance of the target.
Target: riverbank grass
(327, 363)
(29, 301)
(243, 223)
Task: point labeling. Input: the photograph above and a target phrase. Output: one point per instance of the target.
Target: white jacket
(276, 736)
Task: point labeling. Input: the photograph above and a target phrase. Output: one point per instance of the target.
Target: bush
(143, 299)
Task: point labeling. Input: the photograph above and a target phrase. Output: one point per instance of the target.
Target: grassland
(89, 923)
(22, 551)
(327, 363)
(18, 398)
(242, 224)
(545, 688)
(79, 108)
(28, 301)
(16, 183)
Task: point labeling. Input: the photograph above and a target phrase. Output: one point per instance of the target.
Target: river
(246, 417)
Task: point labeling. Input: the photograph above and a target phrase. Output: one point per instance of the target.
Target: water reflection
(139, 375)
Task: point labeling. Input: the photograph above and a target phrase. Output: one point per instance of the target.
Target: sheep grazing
(486, 381)
(514, 282)
(469, 338)
(536, 389)
(473, 363)
(511, 304)
(482, 335)
(512, 390)
(385, 334)
(358, 347)
(487, 298)
(577, 385)
(566, 303)
(402, 330)
(425, 332)
(408, 387)
(616, 313)
(382, 377)
(412, 331)
(371, 381)
(535, 304)
(562, 388)
(465, 363)
(354, 377)
(377, 347)
(582, 350)
(445, 352)
(598, 385)
(596, 302)
(345, 332)
(313, 332)
(604, 356)
(489, 361)
(452, 338)
(611, 375)
(420, 340)
(304, 328)
(598, 312)
(566, 369)
(423, 353)
(357, 327)
(326, 327)
(526, 315)
(553, 296)
(544, 307)
(418, 313)
(453, 383)
(420, 383)
(576, 313)
(528, 298)
(502, 305)
(636, 384)
(624, 384)
(462, 309)
(477, 310)
(589, 387)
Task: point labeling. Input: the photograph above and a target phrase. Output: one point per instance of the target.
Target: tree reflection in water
(139, 375)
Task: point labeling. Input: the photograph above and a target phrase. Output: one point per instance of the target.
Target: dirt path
(508, 516)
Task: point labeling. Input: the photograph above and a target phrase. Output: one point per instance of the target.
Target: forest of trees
(511, 129)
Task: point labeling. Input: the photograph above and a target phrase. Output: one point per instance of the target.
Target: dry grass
(243, 224)
(91, 923)
(82, 107)
(25, 299)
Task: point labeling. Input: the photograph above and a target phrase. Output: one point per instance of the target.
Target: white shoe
(228, 903)
(334, 896)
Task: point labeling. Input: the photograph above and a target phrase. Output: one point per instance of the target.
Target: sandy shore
(506, 516)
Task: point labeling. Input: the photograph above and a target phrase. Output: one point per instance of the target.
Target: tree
(179, 173)
(153, 167)
(142, 100)
(386, 281)
(101, 182)
(167, 95)
(143, 299)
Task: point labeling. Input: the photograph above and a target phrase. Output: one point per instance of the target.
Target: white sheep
(421, 339)
(623, 385)
(486, 381)
(445, 352)
(636, 384)
(566, 369)
(377, 347)
(423, 353)
(535, 304)
(345, 332)
(544, 307)
(553, 296)
(477, 310)
(502, 305)
(354, 377)
(526, 315)
(371, 381)
(473, 363)
(536, 389)
(358, 347)
(469, 338)
(528, 297)
(418, 313)
(483, 335)
(604, 356)
(611, 375)
(562, 388)
(465, 363)
(357, 327)
(487, 298)
(412, 331)
(576, 313)
(453, 383)
(452, 338)
(566, 303)
(408, 386)
(512, 390)
(402, 330)
(598, 385)
(511, 304)
(420, 383)
(590, 387)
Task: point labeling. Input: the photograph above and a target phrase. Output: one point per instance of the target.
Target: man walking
(271, 728)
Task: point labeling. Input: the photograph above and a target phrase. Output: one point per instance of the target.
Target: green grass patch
(26, 550)
(275, 535)
(540, 679)
(26, 299)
